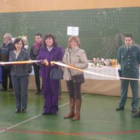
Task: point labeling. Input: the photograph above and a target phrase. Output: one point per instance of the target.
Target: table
(101, 85)
(110, 71)
(95, 84)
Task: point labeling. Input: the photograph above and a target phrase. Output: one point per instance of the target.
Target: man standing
(129, 59)
(6, 47)
(33, 54)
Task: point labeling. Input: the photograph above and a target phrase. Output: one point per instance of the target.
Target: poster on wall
(73, 31)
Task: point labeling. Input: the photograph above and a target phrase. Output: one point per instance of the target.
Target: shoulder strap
(70, 62)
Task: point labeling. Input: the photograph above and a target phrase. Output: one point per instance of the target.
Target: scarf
(37, 45)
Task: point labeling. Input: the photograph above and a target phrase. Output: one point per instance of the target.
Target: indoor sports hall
(102, 26)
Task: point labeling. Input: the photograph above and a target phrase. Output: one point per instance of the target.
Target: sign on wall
(73, 31)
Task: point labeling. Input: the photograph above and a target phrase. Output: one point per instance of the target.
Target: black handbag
(56, 74)
(79, 79)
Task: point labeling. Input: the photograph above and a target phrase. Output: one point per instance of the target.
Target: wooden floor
(99, 120)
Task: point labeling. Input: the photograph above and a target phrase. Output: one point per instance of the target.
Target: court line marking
(7, 129)
(72, 133)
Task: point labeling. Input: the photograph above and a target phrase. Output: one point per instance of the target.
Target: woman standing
(76, 57)
(20, 75)
(50, 52)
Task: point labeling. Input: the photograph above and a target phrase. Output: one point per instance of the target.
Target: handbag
(79, 79)
(56, 74)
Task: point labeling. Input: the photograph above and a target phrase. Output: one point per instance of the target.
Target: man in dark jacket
(5, 49)
(129, 59)
(34, 53)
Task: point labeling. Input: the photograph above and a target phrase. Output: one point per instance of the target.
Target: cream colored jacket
(77, 57)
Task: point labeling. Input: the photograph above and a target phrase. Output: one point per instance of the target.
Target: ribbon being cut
(92, 73)
(19, 62)
(64, 65)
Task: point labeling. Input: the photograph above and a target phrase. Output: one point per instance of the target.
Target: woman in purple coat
(50, 52)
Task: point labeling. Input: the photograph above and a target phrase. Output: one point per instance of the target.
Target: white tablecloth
(102, 70)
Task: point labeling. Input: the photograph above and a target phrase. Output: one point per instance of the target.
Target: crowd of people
(46, 49)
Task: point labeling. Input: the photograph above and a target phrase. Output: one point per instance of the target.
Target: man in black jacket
(5, 49)
(34, 53)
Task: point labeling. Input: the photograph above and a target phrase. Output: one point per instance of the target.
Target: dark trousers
(37, 77)
(74, 89)
(5, 75)
(51, 91)
(20, 86)
(124, 90)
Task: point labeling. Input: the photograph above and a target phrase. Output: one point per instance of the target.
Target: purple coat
(56, 54)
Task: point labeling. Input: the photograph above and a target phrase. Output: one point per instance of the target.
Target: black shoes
(119, 108)
(3, 89)
(52, 113)
(122, 108)
(137, 115)
(23, 111)
(134, 110)
(44, 113)
(18, 111)
(38, 93)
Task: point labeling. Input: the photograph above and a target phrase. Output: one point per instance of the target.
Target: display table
(95, 84)
(108, 71)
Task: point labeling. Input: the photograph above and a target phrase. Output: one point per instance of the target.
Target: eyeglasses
(73, 41)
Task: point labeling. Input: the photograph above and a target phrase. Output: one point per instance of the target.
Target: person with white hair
(5, 49)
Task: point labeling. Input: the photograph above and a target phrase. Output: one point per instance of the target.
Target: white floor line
(33, 118)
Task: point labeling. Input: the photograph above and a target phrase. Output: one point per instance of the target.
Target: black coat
(5, 50)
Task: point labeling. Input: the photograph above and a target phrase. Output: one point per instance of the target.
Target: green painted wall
(98, 27)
